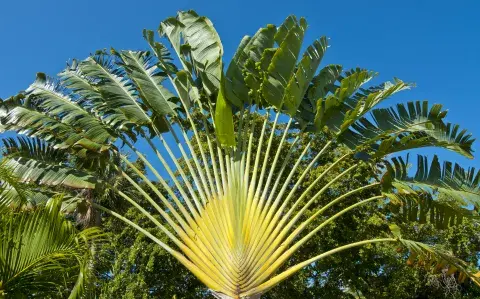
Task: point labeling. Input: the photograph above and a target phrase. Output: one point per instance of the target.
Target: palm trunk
(223, 296)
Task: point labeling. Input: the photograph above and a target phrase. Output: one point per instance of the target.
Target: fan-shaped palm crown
(231, 208)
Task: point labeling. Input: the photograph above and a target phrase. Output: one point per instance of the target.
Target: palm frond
(39, 251)
(35, 162)
(407, 126)
(456, 183)
(423, 207)
(436, 259)
(52, 99)
(204, 47)
(12, 193)
(282, 65)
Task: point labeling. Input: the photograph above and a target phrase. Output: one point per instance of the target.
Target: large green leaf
(249, 53)
(306, 69)
(436, 259)
(363, 103)
(438, 137)
(332, 109)
(235, 88)
(423, 207)
(78, 82)
(224, 121)
(119, 97)
(206, 48)
(460, 186)
(320, 85)
(148, 79)
(37, 124)
(323, 82)
(54, 100)
(187, 91)
(37, 172)
(100, 95)
(406, 126)
(165, 60)
(172, 29)
(282, 65)
(38, 163)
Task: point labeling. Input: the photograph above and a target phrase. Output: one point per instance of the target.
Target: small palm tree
(231, 216)
(42, 254)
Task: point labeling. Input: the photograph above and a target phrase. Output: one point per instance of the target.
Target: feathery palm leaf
(41, 252)
(12, 193)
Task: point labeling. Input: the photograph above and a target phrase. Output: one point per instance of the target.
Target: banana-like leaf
(29, 147)
(224, 121)
(436, 259)
(184, 84)
(54, 100)
(88, 92)
(402, 118)
(407, 126)
(165, 60)
(421, 207)
(206, 48)
(323, 82)
(332, 110)
(80, 85)
(37, 251)
(117, 94)
(37, 162)
(362, 103)
(249, 52)
(441, 137)
(148, 79)
(284, 29)
(172, 29)
(282, 65)
(235, 84)
(37, 124)
(33, 171)
(306, 69)
(319, 87)
(451, 181)
(187, 91)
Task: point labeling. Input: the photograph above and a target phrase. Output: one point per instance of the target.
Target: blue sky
(433, 43)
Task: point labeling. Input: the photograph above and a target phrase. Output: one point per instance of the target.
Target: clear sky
(433, 43)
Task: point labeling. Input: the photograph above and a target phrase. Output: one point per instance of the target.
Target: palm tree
(42, 254)
(231, 217)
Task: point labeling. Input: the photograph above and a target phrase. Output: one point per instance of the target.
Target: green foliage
(42, 254)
